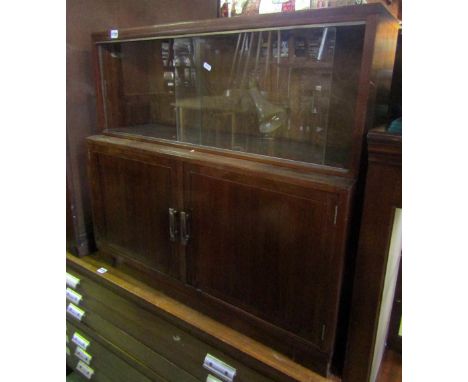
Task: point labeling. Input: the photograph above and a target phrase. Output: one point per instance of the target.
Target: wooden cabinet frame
(331, 193)
(184, 174)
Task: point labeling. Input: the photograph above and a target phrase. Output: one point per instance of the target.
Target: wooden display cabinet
(228, 162)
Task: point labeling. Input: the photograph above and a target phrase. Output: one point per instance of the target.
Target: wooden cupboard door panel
(263, 246)
(131, 203)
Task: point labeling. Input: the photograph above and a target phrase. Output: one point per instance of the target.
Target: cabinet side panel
(382, 71)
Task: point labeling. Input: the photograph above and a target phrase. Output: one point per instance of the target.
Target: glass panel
(286, 93)
(139, 88)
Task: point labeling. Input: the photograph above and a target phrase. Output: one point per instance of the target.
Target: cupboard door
(131, 209)
(264, 246)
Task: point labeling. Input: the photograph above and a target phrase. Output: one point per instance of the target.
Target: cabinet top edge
(380, 142)
(345, 14)
(381, 135)
(322, 180)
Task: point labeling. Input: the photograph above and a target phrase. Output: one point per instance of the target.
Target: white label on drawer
(73, 296)
(68, 350)
(207, 66)
(72, 281)
(79, 340)
(84, 369)
(81, 354)
(219, 368)
(114, 33)
(101, 270)
(76, 312)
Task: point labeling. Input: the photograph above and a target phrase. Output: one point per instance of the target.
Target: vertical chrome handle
(184, 227)
(172, 224)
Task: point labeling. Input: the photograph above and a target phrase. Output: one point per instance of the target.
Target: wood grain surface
(148, 297)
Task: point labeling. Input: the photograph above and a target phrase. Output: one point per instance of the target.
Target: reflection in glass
(285, 93)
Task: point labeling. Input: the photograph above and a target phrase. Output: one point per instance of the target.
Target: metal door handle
(184, 227)
(172, 224)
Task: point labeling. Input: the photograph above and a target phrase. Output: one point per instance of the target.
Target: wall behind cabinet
(83, 18)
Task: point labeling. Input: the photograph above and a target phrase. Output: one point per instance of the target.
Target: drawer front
(98, 376)
(104, 362)
(153, 332)
(134, 348)
(94, 350)
(121, 339)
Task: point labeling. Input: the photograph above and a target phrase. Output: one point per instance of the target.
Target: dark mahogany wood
(375, 81)
(268, 237)
(131, 200)
(382, 196)
(147, 151)
(72, 229)
(315, 16)
(266, 245)
(84, 17)
(217, 334)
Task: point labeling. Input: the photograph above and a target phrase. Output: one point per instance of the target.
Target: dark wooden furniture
(240, 260)
(382, 196)
(256, 237)
(133, 329)
(394, 6)
(84, 17)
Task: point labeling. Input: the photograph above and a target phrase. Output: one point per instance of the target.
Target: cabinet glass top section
(283, 93)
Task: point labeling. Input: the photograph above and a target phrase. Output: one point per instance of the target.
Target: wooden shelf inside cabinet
(258, 356)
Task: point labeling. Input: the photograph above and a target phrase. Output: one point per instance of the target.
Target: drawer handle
(83, 355)
(172, 224)
(72, 281)
(219, 368)
(184, 227)
(80, 341)
(85, 369)
(73, 296)
(75, 312)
